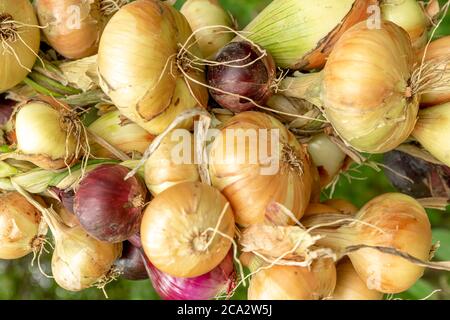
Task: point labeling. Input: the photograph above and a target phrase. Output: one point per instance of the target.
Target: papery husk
(152, 90)
(301, 34)
(81, 73)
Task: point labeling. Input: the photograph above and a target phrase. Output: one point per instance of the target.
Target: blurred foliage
(20, 280)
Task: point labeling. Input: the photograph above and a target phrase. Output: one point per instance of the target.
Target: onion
(158, 84)
(205, 287)
(301, 34)
(254, 179)
(394, 221)
(121, 133)
(294, 283)
(21, 226)
(109, 207)
(349, 285)
(131, 265)
(163, 171)
(242, 70)
(202, 16)
(6, 109)
(366, 88)
(73, 27)
(20, 40)
(186, 229)
(343, 206)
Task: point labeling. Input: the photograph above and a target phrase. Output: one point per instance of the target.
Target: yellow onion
(349, 285)
(433, 131)
(142, 68)
(365, 87)
(256, 162)
(20, 41)
(121, 133)
(163, 170)
(343, 206)
(187, 229)
(21, 226)
(294, 283)
(392, 220)
(438, 53)
(204, 14)
(410, 15)
(301, 34)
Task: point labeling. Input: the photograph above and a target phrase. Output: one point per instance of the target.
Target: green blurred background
(18, 280)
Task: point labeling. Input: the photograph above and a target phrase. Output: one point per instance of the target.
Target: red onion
(131, 264)
(204, 287)
(109, 207)
(66, 198)
(253, 81)
(6, 109)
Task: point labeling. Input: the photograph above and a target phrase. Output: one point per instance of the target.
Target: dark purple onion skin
(253, 81)
(6, 109)
(108, 207)
(428, 179)
(131, 264)
(66, 198)
(205, 287)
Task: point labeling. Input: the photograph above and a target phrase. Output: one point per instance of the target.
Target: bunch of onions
(432, 131)
(162, 170)
(159, 83)
(242, 77)
(349, 285)
(437, 53)
(21, 226)
(131, 264)
(301, 34)
(20, 40)
(187, 229)
(204, 287)
(109, 207)
(203, 16)
(256, 162)
(366, 87)
(74, 27)
(389, 221)
(410, 15)
(45, 136)
(281, 282)
(121, 133)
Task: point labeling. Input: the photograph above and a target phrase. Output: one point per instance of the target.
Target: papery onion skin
(253, 191)
(19, 226)
(342, 205)
(109, 207)
(12, 72)
(203, 287)
(130, 264)
(294, 283)
(254, 81)
(177, 225)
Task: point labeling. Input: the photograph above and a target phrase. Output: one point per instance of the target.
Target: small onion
(131, 265)
(252, 181)
(180, 228)
(233, 81)
(349, 285)
(20, 40)
(294, 283)
(109, 207)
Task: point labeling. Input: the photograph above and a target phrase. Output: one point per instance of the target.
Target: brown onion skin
(131, 264)
(253, 81)
(108, 207)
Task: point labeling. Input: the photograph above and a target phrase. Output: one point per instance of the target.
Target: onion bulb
(301, 34)
(162, 170)
(256, 162)
(186, 229)
(142, 68)
(20, 40)
(294, 283)
(349, 285)
(131, 265)
(21, 226)
(203, 15)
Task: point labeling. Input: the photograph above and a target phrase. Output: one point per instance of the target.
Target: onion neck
(303, 86)
(336, 239)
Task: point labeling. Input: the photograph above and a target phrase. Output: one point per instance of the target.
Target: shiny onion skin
(108, 207)
(130, 264)
(177, 229)
(204, 287)
(294, 283)
(252, 192)
(254, 81)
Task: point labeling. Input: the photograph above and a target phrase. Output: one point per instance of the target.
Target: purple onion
(131, 264)
(6, 109)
